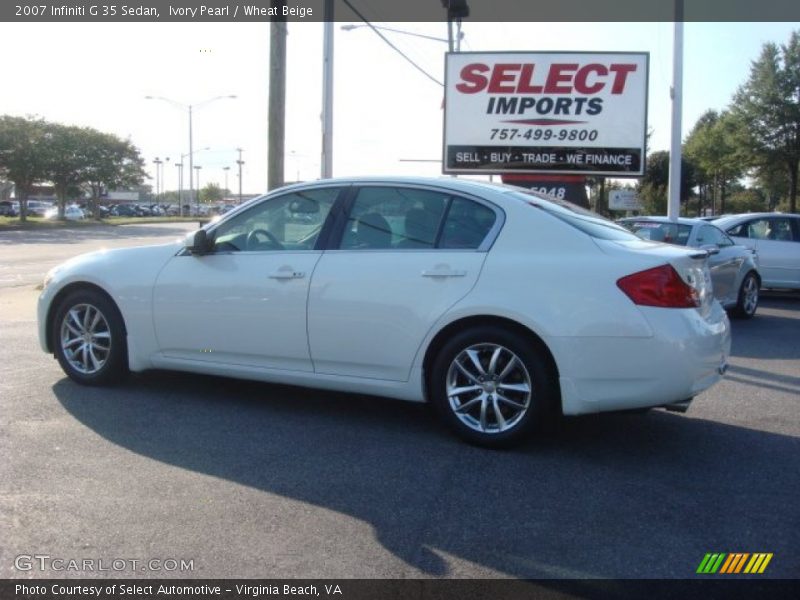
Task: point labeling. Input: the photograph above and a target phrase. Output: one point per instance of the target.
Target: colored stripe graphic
(734, 563)
(758, 563)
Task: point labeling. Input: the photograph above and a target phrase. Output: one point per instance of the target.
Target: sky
(387, 115)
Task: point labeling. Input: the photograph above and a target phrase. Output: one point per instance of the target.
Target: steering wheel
(253, 241)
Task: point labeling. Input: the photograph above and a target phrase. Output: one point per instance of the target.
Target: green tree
(654, 185)
(712, 148)
(767, 108)
(211, 193)
(111, 163)
(22, 158)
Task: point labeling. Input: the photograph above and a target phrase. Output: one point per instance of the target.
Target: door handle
(438, 272)
(287, 274)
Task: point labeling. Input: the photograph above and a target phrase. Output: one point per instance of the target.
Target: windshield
(671, 233)
(583, 219)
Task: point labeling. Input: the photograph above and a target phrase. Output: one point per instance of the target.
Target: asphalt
(254, 480)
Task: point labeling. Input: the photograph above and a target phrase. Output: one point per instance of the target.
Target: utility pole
(674, 185)
(277, 100)
(456, 10)
(327, 92)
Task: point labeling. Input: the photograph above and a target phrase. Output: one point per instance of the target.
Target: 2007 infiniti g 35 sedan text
(494, 304)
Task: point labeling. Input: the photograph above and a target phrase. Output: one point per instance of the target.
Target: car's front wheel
(89, 338)
(747, 301)
(492, 386)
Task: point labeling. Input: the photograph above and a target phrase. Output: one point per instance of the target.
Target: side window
(780, 230)
(758, 230)
(466, 225)
(289, 222)
(394, 218)
(712, 235)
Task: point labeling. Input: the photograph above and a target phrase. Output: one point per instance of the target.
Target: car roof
(658, 219)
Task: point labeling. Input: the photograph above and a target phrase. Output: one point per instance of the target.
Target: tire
(747, 301)
(88, 338)
(492, 387)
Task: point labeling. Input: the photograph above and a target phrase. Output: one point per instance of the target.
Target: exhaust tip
(679, 407)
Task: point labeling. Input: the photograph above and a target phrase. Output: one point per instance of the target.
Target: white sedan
(71, 213)
(496, 305)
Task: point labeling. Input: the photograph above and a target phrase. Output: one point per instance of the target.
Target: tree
(712, 148)
(767, 108)
(111, 163)
(22, 160)
(653, 186)
(211, 193)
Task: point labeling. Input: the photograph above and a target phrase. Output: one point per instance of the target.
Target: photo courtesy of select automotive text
(432, 299)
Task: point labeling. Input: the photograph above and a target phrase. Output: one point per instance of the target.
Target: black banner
(392, 10)
(543, 159)
(377, 589)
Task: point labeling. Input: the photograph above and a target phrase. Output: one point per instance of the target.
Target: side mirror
(710, 248)
(198, 242)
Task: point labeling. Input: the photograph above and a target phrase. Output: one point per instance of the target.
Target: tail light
(660, 286)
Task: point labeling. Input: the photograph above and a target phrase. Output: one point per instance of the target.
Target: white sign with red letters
(544, 112)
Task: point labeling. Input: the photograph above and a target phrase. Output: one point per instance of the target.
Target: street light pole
(226, 169)
(179, 165)
(240, 162)
(190, 108)
(197, 197)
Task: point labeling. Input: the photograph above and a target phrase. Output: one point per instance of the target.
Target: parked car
(495, 304)
(71, 213)
(9, 208)
(734, 268)
(776, 238)
(38, 208)
(123, 210)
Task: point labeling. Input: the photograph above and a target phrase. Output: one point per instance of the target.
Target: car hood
(112, 265)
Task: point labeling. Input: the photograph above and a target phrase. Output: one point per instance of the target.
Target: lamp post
(226, 169)
(158, 162)
(189, 108)
(197, 197)
(240, 162)
(190, 176)
(179, 165)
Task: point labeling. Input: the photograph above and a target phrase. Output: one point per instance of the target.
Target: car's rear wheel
(747, 301)
(89, 338)
(492, 386)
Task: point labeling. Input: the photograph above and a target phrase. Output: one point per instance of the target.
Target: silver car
(734, 268)
(776, 238)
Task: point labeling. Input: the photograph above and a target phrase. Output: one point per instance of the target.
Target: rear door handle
(287, 274)
(443, 273)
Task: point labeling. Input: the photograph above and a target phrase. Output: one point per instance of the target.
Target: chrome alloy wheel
(489, 388)
(749, 295)
(85, 338)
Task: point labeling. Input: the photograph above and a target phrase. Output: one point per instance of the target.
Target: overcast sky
(386, 113)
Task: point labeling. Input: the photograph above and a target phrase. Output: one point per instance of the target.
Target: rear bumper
(686, 355)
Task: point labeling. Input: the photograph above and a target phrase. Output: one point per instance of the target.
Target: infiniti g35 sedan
(734, 270)
(496, 305)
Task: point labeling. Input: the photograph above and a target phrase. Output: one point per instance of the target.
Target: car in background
(734, 268)
(71, 213)
(495, 304)
(9, 208)
(38, 208)
(123, 210)
(776, 238)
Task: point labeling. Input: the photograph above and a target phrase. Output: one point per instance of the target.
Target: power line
(395, 48)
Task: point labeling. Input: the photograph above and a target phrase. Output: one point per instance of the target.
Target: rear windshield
(585, 220)
(671, 233)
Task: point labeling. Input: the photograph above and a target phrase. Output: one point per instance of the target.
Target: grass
(13, 223)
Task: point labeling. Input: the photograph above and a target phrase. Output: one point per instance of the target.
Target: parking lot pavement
(252, 480)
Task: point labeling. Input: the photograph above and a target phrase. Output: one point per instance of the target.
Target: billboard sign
(546, 112)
